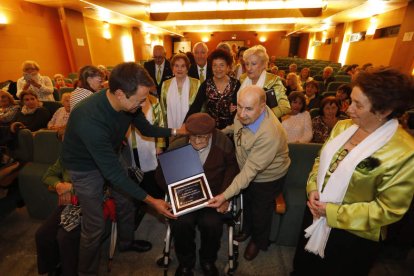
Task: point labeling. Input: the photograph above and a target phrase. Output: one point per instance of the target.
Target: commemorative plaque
(187, 184)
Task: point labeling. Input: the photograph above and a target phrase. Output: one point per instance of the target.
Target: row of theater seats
(285, 228)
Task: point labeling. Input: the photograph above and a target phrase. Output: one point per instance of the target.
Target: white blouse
(298, 128)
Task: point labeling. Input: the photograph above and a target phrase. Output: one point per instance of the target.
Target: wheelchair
(234, 221)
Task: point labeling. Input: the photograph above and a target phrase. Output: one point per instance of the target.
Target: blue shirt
(256, 124)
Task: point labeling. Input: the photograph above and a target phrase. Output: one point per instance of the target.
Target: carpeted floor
(18, 254)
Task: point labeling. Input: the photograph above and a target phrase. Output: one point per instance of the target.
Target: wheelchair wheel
(230, 271)
(163, 261)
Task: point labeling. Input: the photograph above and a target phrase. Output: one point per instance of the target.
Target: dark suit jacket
(193, 71)
(166, 74)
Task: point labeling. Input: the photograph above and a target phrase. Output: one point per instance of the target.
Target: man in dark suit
(202, 69)
(159, 68)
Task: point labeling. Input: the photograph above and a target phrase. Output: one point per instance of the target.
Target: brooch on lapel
(369, 163)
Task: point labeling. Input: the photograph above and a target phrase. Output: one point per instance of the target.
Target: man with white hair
(159, 68)
(202, 69)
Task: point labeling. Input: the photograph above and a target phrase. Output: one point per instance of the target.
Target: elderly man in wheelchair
(217, 155)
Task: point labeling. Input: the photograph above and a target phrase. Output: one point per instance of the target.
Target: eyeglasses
(238, 137)
(338, 160)
(199, 137)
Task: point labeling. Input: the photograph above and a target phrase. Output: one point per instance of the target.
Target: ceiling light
(103, 11)
(228, 5)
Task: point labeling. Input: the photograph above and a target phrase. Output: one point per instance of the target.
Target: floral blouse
(217, 104)
(321, 131)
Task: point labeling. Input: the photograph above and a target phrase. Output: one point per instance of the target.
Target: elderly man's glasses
(338, 160)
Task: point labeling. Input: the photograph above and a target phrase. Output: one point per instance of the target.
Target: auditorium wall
(105, 51)
(33, 32)
(276, 43)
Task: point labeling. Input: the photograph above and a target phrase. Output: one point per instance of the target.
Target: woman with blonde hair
(179, 92)
(256, 59)
(41, 85)
(292, 83)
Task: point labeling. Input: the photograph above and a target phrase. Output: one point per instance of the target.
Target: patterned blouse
(321, 130)
(217, 104)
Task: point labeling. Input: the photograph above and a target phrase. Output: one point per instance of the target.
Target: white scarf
(338, 182)
(177, 105)
(146, 145)
(260, 82)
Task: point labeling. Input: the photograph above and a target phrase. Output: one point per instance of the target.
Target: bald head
(158, 53)
(251, 103)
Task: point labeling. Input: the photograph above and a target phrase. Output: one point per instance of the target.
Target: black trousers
(54, 245)
(259, 200)
(210, 225)
(345, 254)
(150, 186)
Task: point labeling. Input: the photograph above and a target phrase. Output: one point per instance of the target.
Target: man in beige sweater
(263, 158)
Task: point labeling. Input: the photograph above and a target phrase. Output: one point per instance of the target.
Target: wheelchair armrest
(280, 204)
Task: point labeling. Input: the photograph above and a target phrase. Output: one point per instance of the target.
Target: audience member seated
(298, 124)
(60, 81)
(329, 115)
(343, 95)
(225, 47)
(240, 68)
(219, 93)
(57, 248)
(178, 93)
(105, 75)
(293, 68)
(33, 115)
(312, 97)
(327, 76)
(367, 67)
(90, 81)
(256, 60)
(32, 80)
(282, 74)
(274, 70)
(292, 83)
(8, 108)
(217, 155)
(304, 76)
(61, 116)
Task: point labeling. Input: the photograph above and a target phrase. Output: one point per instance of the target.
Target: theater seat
(40, 202)
(286, 228)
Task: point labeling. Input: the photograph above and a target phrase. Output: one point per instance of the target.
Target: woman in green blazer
(362, 181)
(178, 93)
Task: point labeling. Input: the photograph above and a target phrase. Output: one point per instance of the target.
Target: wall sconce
(373, 22)
(205, 38)
(262, 39)
(106, 32)
(3, 20)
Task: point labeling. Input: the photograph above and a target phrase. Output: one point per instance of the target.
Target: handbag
(271, 100)
(70, 217)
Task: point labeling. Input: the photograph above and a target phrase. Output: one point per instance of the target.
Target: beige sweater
(263, 156)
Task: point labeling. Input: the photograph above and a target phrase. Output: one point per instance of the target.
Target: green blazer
(380, 190)
(194, 85)
(273, 81)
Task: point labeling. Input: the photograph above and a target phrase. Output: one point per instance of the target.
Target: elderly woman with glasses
(41, 85)
(362, 181)
(217, 155)
(256, 59)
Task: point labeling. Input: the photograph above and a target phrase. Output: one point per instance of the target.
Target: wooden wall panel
(34, 33)
(375, 51)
